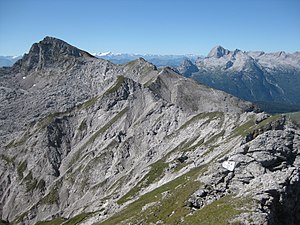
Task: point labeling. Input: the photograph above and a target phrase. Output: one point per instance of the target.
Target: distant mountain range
(8, 60)
(158, 60)
(123, 58)
(272, 80)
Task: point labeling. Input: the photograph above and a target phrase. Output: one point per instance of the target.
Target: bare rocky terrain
(85, 141)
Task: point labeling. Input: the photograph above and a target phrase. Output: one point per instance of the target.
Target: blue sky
(152, 26)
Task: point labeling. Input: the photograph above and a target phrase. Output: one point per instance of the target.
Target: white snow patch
(229, 165)
(104, 54)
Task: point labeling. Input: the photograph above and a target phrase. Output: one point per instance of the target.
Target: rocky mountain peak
(187, 62)
(218, 52)
(187, 68)
(48, 52)
(139, 68)
(51, 47)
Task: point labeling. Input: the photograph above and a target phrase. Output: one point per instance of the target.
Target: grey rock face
(49, 51)
(187, 68)
(266, 167)
(218, 52)
(86, 141)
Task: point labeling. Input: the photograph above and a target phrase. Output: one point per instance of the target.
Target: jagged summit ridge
(218, 52)
(48, 52)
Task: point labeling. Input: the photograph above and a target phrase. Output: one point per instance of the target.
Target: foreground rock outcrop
(84, 141)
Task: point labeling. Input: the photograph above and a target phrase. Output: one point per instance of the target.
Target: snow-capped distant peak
(104, 54)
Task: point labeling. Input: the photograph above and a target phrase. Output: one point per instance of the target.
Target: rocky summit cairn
(85, 141)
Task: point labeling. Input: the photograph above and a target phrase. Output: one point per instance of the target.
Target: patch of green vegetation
(169, 197)
(218, 212)
(75, 158)
(51, 198)
(188, 146)
(214, 138)
(149, 82)
(210, 150)
(116, 85)
(56, 221)
(41, 184)
(155, 173)
(244, 129)
(268, 121)
(172, 208)
(21, 168)
(182, 147)
(131, 63)
(77, 219)
(295, 117)
(193, 147)
(185, 146)
(143, 68)
(250, 126)
(179, 166)
(209, 115)
(43, 123)
(72, 174)
(176, 149)
(28, 177)
(10, 144)
(113, 120)
(8, 159)
(21, 141)
(2, 222)
(82, 125)
(147, 69)
(30, 182)
(88, 103)
(20, 218)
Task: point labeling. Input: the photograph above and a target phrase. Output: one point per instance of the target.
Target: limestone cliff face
(85, 141)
